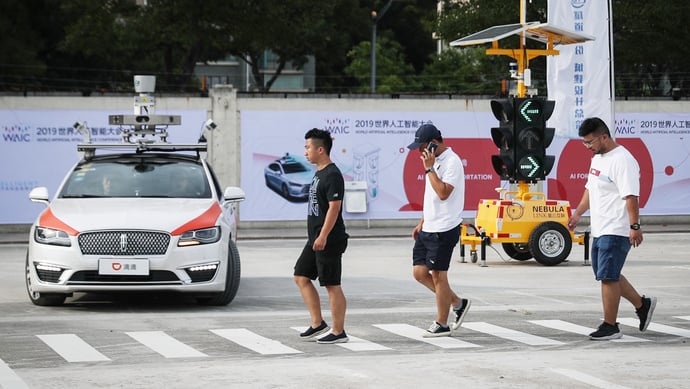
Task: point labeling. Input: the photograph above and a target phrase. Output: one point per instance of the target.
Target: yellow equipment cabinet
(526, 224)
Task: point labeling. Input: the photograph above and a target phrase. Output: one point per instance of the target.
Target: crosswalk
(73, 349)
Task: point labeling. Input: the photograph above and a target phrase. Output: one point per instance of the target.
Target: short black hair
(322, 136)
(594, 126)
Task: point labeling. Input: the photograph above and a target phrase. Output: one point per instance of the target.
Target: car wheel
(518, 251)
(42, 299)
(232, 280)
(284, 190)
(550, 243)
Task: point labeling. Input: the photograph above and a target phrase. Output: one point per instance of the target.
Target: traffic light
(504, 139)
(532, 137)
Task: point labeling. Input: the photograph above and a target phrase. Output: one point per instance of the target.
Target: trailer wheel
(519, 251)
(550, 243)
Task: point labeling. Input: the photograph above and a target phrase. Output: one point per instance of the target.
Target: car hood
(300, 178)
(128, 213)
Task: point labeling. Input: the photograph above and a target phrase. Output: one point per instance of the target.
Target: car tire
(517, 251)
(232, 280)
(41, 299)
(284, 190)
(550, 243)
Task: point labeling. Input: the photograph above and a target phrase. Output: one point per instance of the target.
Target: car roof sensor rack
(144, 130)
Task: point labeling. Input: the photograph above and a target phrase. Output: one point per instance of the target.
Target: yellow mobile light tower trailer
(526, 223)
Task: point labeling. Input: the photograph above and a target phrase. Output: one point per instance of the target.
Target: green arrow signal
(531, 165)
(528, 113)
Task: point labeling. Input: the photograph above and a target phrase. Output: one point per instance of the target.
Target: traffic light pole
(522, 56)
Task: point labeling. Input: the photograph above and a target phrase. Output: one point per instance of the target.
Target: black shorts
(325, 264)
(435, 249)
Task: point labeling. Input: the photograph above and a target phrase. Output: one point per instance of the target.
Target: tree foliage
(87, 45)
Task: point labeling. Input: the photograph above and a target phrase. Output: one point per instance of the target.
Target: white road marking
(507, 333)
(578, 329)
(10, 379)
(657, 327)
(165, 344)
(254, 342)
(683, 317)
(416, 333)
(588, 379)
(72, 348)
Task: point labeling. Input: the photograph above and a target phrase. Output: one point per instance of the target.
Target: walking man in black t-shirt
(327, 241)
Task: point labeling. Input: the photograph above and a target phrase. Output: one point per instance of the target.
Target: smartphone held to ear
(431, 147)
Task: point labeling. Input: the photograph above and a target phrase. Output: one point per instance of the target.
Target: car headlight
(202, 236)
(50, 236)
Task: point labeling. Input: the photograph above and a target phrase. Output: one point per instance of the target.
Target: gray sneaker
(646, 311)
(606, 331)
(460, 312)
(436, 330)
(311, 332)
(332, 338)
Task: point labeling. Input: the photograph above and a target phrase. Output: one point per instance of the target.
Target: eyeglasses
(591, 142)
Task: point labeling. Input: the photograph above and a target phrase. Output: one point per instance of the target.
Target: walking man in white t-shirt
(438, 232)
(612, 197)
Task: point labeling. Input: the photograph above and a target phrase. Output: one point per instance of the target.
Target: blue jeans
(608, 256)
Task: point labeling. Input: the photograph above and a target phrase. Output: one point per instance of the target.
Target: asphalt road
(526, 327)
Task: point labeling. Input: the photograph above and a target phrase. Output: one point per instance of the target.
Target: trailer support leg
(586, 263)
(483, 253)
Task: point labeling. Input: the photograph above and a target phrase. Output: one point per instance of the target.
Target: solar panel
(492, 34)
(533, 30)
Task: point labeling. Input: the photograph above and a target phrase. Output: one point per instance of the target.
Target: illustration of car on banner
(290, 177)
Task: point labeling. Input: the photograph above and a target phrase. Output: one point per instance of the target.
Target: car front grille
(159, 277)
(125, 242)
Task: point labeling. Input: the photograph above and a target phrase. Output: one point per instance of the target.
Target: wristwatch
(635, 226)
(429, 170)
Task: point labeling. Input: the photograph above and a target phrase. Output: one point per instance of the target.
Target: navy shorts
(326, 265)
(608, 256)
(435, 249)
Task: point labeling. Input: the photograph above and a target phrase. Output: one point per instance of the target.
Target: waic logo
(626, 126)
(337, 126)
(16, 134)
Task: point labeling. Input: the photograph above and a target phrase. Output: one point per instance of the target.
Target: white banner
(579, 78)
(38, 147)
(371, 147)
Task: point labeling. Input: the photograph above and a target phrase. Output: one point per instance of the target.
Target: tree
(20, 45)
(651, 46)
(393, 72)
(290, 30)
(466, 71)
(650, 38)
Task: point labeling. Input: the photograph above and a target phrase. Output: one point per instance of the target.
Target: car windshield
(294, 167)
(137, 177)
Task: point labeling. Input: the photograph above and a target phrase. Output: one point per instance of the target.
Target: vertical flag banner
(579, 79)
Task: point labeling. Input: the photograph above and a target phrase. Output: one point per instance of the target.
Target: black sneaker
(646, 311)
(437, 330)
(460, 311)
(312, 332)
(332, 338)
(606, 331)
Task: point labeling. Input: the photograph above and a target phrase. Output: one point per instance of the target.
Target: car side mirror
(39, 195)
(233, 193)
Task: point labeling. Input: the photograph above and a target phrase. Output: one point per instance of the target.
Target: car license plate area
(119, 266)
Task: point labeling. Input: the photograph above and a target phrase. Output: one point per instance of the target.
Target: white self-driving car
(143, 216)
